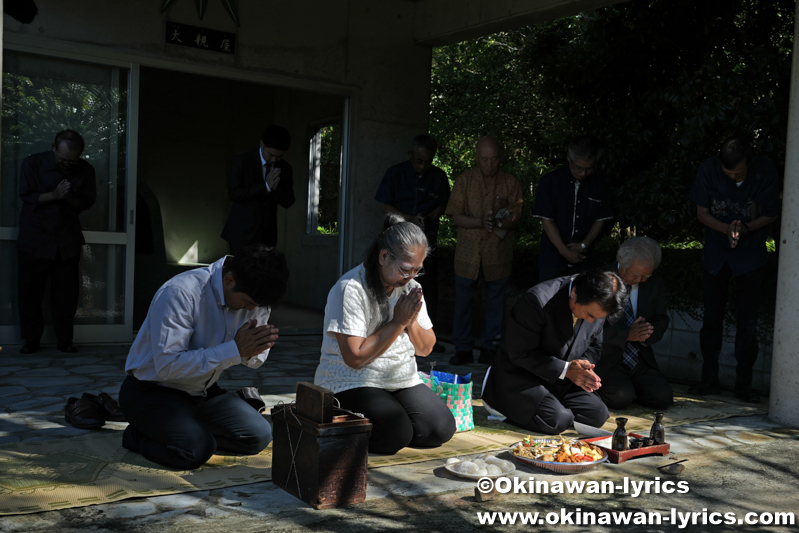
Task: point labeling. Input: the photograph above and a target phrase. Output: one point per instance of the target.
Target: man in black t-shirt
(573, 205)
(737, 197)
(419, 191)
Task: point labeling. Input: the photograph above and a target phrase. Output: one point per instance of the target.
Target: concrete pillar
(784, 397)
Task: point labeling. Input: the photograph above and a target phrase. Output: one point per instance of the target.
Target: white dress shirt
(186, 341)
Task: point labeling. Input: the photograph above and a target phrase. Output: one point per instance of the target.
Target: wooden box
(617, 457)
(330, 458)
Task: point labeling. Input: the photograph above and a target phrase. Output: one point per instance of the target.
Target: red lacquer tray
(620, 457)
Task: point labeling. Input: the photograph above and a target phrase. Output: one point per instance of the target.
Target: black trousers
(414, 417)
(561, 406)
(174, 429)
(32, 275)
(643, 384)
(429, 283)
(552, 265)
(710, 336)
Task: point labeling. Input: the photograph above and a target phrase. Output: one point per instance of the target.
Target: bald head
(488, 155)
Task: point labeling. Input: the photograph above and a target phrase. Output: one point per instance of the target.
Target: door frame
(86, 334)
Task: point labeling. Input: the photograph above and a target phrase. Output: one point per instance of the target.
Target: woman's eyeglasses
(409, 273)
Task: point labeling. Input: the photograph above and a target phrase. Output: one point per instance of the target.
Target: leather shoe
(747, 394)
(461, 358)
(67, 347)
(703, 389)
(29, 347)
(107, 406)
(439, 348)
(486, 356)
(83, 414)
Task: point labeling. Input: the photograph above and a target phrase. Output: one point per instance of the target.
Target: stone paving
(739, 463)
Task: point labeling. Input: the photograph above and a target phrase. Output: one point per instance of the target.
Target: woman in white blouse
(375, 322)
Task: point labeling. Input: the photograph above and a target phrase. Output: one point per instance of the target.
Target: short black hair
(603, 287)
(260, 272)
(585, 148)
(734, 150)
(72, 138)
(276, 137)
(425, 141)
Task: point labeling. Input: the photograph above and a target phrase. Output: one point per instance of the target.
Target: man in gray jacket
(628, 368)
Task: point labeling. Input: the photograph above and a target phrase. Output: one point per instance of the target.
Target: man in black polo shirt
(573, 204)
(56, 187)
(419, 191)
(737, 197)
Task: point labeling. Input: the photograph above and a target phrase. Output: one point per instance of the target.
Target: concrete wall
(680, 358)
(362, 49)
(190, 127)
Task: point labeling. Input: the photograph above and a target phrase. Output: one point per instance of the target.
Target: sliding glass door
(41, 96)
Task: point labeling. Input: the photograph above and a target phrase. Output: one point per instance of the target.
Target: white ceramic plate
(478, 476)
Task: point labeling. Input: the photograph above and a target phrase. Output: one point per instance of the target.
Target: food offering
(559, 455)
(483, 466)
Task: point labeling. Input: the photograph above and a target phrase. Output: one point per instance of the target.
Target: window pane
(329, 178)
(42, 96)
(102, 285)
(102, 280)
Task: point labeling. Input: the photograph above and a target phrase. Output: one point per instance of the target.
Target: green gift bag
(456, 391)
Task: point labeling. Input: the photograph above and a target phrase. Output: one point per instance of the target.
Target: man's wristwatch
(582, 246)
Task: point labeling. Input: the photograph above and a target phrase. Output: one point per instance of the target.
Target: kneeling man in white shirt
(200, 323)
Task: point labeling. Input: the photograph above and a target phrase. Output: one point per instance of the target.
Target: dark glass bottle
(620, 442)
(658, 432)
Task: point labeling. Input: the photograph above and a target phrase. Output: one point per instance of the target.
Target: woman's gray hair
(399, 238)
(642, 250)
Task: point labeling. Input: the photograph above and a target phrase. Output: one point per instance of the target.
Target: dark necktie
(630, 357)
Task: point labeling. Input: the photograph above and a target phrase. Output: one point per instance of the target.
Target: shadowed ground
(744, 464)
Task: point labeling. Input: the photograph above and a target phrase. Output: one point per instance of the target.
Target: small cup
(635, 443)
(649, 441)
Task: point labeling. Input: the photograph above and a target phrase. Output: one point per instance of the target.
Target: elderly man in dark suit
(628, 368)
(542, 378)
(259, 181)
(56, 187)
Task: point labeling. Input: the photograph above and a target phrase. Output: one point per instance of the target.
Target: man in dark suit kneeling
(259, 181)
(542, 378)
(628, 368)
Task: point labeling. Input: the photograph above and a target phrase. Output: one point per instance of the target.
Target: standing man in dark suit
(259, 181)
(56, 187)
(628, 368)
(542, 378)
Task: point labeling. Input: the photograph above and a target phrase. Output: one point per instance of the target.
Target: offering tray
(616, 457)
(560, 468)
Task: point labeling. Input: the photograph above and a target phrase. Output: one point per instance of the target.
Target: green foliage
(329, 178)
(35, 109)
(480, 88)
(330, 229)
(660, 83)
